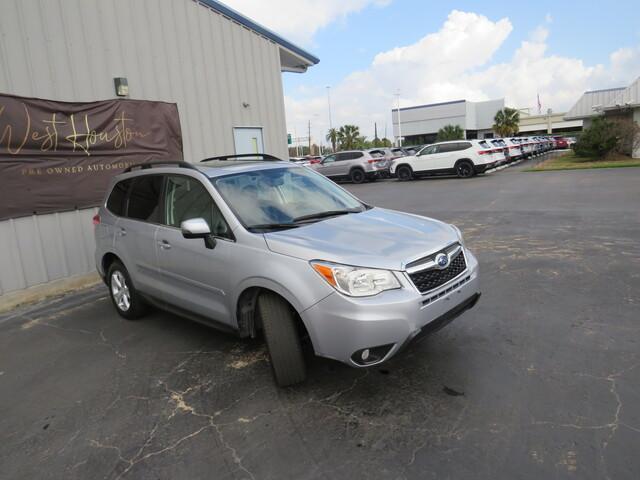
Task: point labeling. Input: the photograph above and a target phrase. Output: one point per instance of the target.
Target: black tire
(404, 173)
(283, 341)
(135, 307)
(465, 169)
(357, 175)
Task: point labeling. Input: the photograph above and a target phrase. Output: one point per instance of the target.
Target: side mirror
(198, 228)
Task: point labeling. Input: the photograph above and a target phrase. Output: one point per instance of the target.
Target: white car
(516, 150)
(464, 158)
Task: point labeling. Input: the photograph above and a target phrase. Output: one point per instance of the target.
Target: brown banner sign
(57, 156)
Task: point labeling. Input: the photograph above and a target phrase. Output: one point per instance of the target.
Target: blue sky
(440, 51)
(350, 44)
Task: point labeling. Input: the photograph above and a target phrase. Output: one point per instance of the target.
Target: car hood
(375, 238)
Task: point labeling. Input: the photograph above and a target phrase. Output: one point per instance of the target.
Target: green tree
(450, 132)
(597, 140)
(348, 136)
(332, 137)
(506, 122)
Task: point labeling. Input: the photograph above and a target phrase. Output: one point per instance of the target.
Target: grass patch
(569, 161)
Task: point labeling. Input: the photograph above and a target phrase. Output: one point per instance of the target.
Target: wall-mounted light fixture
(122, 86)
(246, 105)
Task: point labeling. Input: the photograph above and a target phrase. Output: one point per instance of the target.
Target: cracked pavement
(540, 380)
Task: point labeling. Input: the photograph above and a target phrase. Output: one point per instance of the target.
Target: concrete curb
(37, 293)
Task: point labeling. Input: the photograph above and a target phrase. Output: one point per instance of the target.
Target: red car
(561, 142)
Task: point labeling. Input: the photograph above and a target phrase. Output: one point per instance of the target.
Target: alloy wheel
(120, 291)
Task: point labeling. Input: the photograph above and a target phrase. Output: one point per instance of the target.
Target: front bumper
(339, 325)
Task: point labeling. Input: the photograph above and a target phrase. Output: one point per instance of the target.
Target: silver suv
(354, 165)
(268, 246)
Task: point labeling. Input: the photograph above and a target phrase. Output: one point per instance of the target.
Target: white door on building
(248, 140)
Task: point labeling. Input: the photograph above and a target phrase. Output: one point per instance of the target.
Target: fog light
(371, 355)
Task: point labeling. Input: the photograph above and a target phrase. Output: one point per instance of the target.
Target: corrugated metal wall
(170, 50)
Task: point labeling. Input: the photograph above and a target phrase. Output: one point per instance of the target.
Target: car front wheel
(128, 302)
(283, 341)
(404, 173)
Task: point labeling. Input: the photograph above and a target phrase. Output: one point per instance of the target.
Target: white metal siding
(584, 107)
(175, 51)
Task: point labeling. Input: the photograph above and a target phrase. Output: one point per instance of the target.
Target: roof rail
(248, 156)
(143, 166)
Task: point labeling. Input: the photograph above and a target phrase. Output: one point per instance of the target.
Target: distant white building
(420, 124)
(623, 102)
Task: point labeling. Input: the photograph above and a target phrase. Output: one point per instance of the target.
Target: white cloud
(455, 63)
(299, 20)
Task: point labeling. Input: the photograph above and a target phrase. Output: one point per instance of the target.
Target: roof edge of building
(256, 27)
(430, 105)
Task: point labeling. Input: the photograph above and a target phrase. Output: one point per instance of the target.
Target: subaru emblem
(442, 260)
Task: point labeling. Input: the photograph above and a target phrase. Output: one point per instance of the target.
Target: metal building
(619, 103)
(420, 124)
(222, 70)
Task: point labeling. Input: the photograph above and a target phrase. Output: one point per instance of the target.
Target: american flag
(539, 105)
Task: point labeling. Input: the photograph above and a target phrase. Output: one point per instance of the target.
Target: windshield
(269, 199)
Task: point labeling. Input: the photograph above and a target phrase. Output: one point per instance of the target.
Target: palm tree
(332, 136)
(450, 132)
(348, 136)
(505, 122)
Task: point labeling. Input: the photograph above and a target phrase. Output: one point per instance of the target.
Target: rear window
(116, 203)
(483, 144)
(144, 199)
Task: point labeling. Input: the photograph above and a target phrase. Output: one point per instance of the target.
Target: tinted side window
(186, 198)
(447, 147)
(464, 145)
(116, 203)
(342, 156)
(144, 199)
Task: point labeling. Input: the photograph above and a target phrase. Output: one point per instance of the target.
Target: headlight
(459, 233)
(356, 281)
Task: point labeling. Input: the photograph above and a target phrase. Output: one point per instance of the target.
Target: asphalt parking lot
(540, 380)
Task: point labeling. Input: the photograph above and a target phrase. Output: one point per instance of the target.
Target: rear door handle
(164, 245)
(122, 232)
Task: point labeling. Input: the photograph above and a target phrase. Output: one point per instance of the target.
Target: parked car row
(464, 158)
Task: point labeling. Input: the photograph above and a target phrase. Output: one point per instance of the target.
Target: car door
(195, 278)
(135, 233)
(346, 161)
(431, 158)
(326, 165)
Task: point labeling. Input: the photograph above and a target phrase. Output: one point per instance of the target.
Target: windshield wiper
(329, 213)
(272, 226)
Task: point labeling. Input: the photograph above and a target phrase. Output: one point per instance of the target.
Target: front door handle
(122, 232)
(164, 245)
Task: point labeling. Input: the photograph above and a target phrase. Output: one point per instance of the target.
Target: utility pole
(375, 134)
(399, 121)
(309, 137)
(549, 129)
(329, 103)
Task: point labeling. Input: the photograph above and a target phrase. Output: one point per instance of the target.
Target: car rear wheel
(283, 341)
(357, 176)
(404, 173)
(464, 169)
(128, 302)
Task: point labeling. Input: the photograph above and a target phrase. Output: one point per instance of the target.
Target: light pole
(399, 121)
(329, 103)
